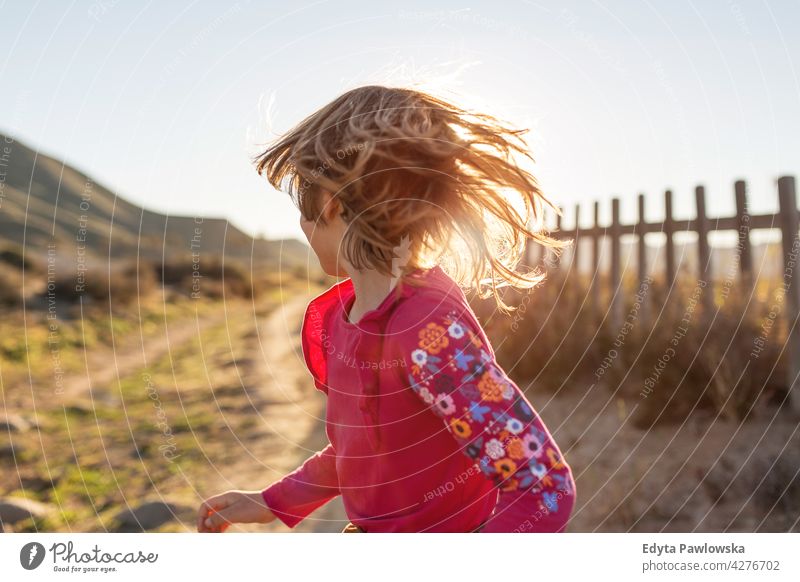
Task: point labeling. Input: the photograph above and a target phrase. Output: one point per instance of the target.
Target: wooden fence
(787, 220)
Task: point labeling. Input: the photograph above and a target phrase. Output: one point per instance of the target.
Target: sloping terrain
(44, 201)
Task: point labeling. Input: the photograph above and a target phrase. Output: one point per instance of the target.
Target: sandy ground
(292, 413)
(708, 474)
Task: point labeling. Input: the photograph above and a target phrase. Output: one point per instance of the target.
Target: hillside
(44, 201)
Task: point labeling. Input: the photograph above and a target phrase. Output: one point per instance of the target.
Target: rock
(232, 390)
(14, 509)
(78, 409)
(37, 483)
(148, 515)
(103, 397)
(10, 450)
(13, 423)
(231, 363)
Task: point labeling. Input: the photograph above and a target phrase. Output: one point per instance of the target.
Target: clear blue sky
(165, 101)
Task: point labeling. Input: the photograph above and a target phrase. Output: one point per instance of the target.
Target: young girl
(411, 198)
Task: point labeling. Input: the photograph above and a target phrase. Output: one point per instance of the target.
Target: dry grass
(677, 359)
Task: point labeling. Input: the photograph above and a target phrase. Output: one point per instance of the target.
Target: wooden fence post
(596, 262)
(704, 251)
(616, 287)
(644, 309)
(554, 256)
(743, 225)
(576, 245)
(790, 223)
(669, 230)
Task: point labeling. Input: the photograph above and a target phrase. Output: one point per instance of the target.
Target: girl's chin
(334, 271)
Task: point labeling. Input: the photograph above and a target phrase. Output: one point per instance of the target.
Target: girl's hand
(217, 513)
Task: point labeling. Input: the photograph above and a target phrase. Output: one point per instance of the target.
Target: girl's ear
(331, 207)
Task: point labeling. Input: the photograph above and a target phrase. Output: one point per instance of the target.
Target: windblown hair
(420, 182)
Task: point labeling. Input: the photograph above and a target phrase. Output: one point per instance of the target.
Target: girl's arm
(455, 373)
(302, 491)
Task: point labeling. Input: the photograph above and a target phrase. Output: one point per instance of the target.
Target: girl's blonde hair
(420, 182)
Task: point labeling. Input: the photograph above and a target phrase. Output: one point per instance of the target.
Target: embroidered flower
(522, 410)
(532, 444)
(476, 341)
(455, 331)
(433, 338)
(486, 467)
(419, 357)
(477, 411)
(505, 467)
(445, 404)
(562, 483)
(463, 430)
(508, 391)
(537, 469)
(515, 448)
(443, 383)
(526, 480)
(550, 501)
(462, 360)
(514, 426)
(490, 388)
(470, 391)
(511, 485)
(555, 459)
(503, 435)
(494, 448)
(426, 395)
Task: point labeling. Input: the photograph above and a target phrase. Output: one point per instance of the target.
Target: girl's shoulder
(315, 334)
(335, 295)
(438, 300)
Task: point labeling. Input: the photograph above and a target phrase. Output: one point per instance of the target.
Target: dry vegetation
(682, 358)
(124, 409)
(676, 421)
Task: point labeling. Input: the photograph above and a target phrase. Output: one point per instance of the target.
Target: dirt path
(705, 475)
(292, 414)
(105, 365)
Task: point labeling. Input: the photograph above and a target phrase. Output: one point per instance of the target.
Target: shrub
(206, 278)
(14, 257)
(10, 287)
(122, 286)
(675, 361)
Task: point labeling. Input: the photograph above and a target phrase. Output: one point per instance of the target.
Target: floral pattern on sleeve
(452, 371)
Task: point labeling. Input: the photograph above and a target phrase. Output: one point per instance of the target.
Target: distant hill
(68, 209)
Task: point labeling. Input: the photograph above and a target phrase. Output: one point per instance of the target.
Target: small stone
(78, 409)
(11, 451)
(13, 423)
(149, 515)
(14, 509)
(37, 483)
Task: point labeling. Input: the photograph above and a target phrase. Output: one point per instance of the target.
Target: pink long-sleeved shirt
(427, 433)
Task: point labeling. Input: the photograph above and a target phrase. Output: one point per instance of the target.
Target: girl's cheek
(307, 227)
